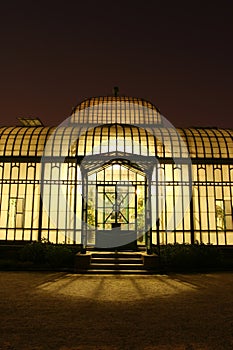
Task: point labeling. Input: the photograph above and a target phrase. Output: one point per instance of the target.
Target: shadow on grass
(64, 311)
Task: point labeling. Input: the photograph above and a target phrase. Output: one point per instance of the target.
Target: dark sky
(177, 54)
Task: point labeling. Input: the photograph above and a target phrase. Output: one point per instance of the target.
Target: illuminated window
(16, 212)
(228, 215)
(220, 215)
(76, 181)
(223, 214)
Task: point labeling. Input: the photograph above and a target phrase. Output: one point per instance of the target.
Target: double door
(116, 207)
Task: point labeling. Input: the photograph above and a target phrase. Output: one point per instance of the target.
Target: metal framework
(114, 145)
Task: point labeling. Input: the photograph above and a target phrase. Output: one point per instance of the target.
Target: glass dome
(118, 109)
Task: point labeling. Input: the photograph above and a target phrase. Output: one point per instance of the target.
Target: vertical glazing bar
(84, 211)
(224, 203)
(58, 204)
(199, 167)
(215, 198)
(136, 207)
(191, 209)
(21, 165)
(9, 195)
(16, 194)
(207, 206)
(75, 202)
(230, 171)
(66, 204)
(174, 200)
(41, 202)
(1, 194)
(104, 202)
(96, 205)
(148, 212)
(34, 197)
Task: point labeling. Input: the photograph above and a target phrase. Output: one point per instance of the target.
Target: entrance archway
(115, 206)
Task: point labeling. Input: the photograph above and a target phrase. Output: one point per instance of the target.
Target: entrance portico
(115, 206)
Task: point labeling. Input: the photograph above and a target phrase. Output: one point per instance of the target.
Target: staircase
(115, 263)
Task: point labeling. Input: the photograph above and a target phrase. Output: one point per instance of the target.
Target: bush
(189, 256)
(49, 254)
(57, 255)
(34, 252)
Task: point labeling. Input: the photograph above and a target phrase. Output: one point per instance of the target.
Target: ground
(61, 311)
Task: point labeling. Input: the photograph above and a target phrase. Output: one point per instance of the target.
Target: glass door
(116, 207)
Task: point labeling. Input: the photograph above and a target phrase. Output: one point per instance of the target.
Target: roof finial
(116, 91)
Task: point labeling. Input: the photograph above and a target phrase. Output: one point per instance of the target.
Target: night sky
(176, 54)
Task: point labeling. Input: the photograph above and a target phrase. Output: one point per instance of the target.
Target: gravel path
(61, 311)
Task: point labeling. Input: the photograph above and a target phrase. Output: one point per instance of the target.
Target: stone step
(120, 272)
(116, 266)
(116, 260)
(115, 255)
(116, 263)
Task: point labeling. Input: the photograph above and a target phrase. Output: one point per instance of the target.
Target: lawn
(62, 311)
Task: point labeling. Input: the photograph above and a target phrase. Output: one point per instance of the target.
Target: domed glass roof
(121, 124)
(115, 109)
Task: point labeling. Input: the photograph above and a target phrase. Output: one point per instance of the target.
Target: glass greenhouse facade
(116, 174)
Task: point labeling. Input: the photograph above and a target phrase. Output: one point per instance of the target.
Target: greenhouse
(116, 174)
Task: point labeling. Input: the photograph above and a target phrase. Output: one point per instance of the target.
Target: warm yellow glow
(130, 129)
(140, 287)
